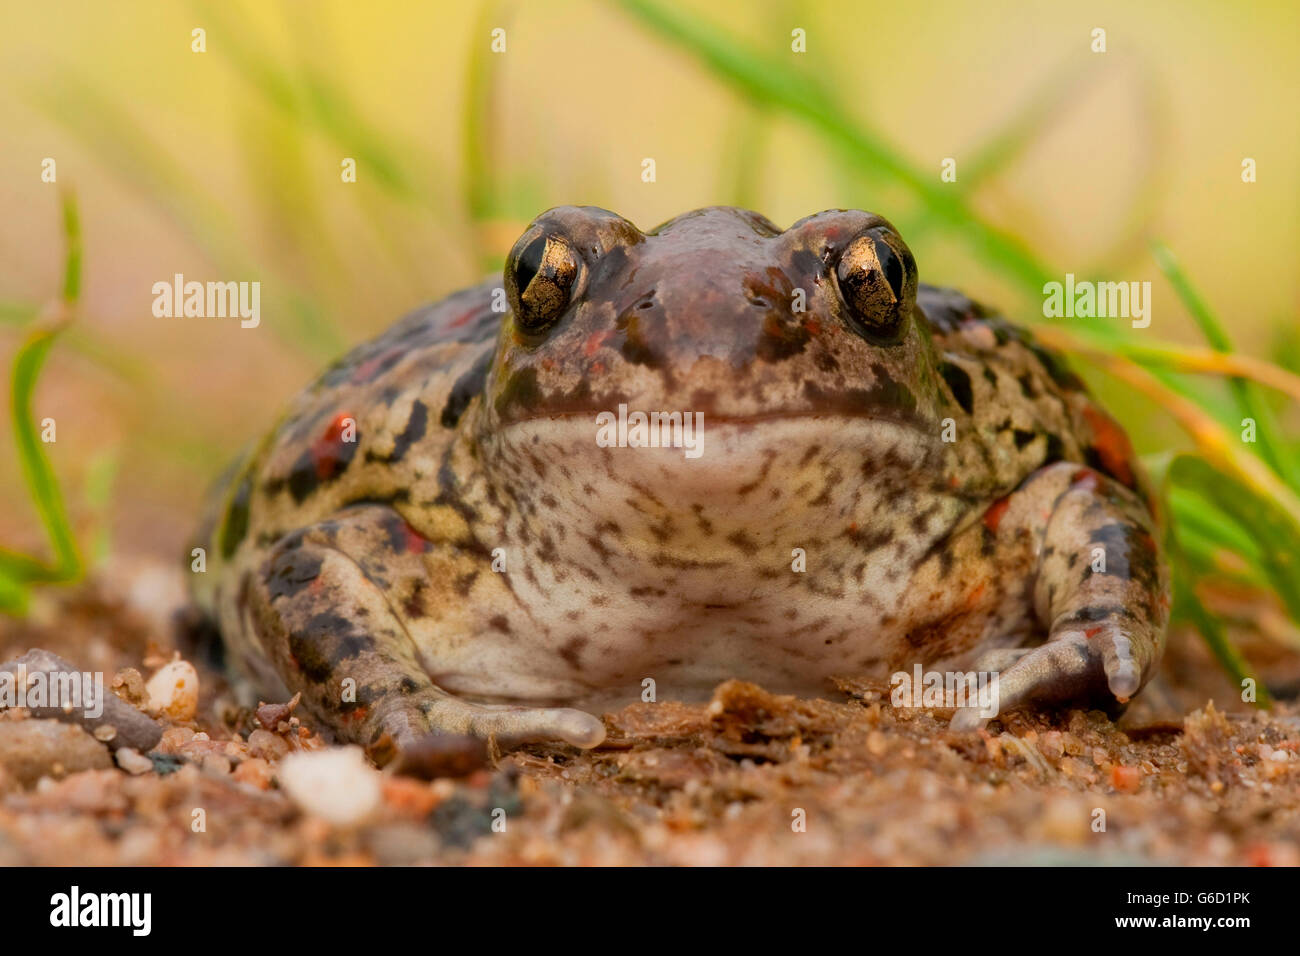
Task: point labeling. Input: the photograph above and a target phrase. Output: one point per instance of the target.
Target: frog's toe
(1075, 665)
(967, 719)
(511, 725)
(1123, 671)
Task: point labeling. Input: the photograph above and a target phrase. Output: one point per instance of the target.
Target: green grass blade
(1250, 401)
(17, 570)
(1197, 516)
(36, 467)
(72, 254)
(1276, 536)
(13, 596)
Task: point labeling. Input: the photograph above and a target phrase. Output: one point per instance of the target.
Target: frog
(447, 535)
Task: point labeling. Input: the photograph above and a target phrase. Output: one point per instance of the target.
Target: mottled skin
(372, 559)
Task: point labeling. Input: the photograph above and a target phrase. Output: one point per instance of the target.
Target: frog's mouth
(709, 413)
(626, 427)
(691, 450)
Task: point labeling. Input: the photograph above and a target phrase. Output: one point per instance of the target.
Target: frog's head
(716, 312)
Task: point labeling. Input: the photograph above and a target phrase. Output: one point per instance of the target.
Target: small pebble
(256, 772)
(216, 765)
(268, 746)
(133, 762)
(31, 749)
(338, 785)
(174, 690)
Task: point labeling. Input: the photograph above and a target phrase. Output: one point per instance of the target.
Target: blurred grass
(19, 572)
(1234, 507)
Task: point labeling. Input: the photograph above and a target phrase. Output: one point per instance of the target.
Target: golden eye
(877, 279)
(540, 278)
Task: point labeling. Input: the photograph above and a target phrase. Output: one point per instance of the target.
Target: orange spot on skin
(1084, 478)
(953, 481)
(416, 543)
(813, 326)
(973, 598)
(325, 450)
(993, 517)
(355, 715)
(595, 340)
(1113, 446)
(1092, 631)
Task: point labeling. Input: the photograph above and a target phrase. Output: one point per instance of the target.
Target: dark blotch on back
(236, 525)
(1054, 364)
(327, 640)
(1022, 437)
(292, 569)
(323, 462)
(413, 432)
(467, 386)
(959, 384)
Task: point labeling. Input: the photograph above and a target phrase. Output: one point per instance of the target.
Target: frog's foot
(332, 635)
(1071, 666)
(409, 718)
(1103, 589)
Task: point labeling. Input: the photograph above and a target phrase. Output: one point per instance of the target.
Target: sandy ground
(749, 778)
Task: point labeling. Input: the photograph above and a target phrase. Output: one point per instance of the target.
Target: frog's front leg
(1101, 589)
(320, 607)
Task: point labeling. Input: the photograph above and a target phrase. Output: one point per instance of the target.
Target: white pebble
(132, 761)
(337, 785)
(174, 690)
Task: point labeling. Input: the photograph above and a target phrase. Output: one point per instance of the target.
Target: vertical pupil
(530, 262)
(890, 264)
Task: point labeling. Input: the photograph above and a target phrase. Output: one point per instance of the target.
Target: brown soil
(750, 778)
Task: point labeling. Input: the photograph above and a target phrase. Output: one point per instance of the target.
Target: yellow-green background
(236, 179)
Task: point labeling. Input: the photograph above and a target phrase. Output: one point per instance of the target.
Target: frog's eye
(876, 275)
(542, 273)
